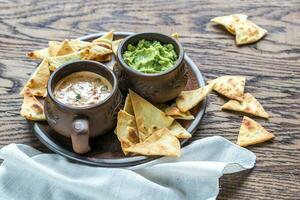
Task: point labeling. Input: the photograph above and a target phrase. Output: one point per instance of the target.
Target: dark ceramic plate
(105, 149)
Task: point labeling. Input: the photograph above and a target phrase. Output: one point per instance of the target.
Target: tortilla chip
(178, 131)
(53, 47)
(128, 105)
(63, 49)
(78, 45)
(115, 45)
(249, 104)
(148, 118)
(186, 100)
(57, 61)
(75, 44)
(32, 109)
(105, 40)
(126, 130)
(160, 143)
(174, 112)
(252, 132)
(175, 35)
(247, 32)
(39, 54)
(231, 87)
(230, 21)
(98, 53)
(37, 83)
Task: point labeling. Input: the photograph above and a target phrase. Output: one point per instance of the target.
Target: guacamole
(150, 56)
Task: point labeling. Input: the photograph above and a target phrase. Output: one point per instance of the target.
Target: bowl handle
(80, 135)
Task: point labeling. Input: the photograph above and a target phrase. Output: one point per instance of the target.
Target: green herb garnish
(78, 97)
(104, 88)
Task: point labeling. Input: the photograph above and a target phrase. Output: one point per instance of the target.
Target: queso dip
(82, 89)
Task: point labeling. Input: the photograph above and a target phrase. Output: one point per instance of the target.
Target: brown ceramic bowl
(82, 123)
(158, 87)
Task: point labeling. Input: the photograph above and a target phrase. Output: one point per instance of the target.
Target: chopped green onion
(78, 97)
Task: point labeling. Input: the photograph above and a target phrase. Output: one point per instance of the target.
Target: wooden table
(272, 68)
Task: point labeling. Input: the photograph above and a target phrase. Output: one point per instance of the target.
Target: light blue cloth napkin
(28, 174)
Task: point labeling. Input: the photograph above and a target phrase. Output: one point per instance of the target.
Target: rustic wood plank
(272, 68)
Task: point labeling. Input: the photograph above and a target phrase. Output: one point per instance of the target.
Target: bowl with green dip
(151, 64)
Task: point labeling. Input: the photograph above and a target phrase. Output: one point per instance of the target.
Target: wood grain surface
(272, 68)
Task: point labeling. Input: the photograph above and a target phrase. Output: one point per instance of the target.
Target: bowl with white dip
(83, 101)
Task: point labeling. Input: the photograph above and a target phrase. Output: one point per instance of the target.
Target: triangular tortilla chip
(252, 132)
(57, 61)
(115, 45)
(53, 47)
(98, 53)
(128, 105)
(32, 109)
(186, 100)
(37, 83)
(231, 87)
(175, 35)
(174, 112)
(75, 44)
(247, 32)
(178, 131)
(105, 40)
(78, 45)
(160, 143)
(230, 21)
(249, 104)
(126, 130)
(39, 54)
(64, 49)
(148, 118)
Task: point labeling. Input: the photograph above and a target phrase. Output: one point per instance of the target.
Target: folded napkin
(30, 174)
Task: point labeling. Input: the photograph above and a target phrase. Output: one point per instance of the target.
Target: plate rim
(127, 161)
